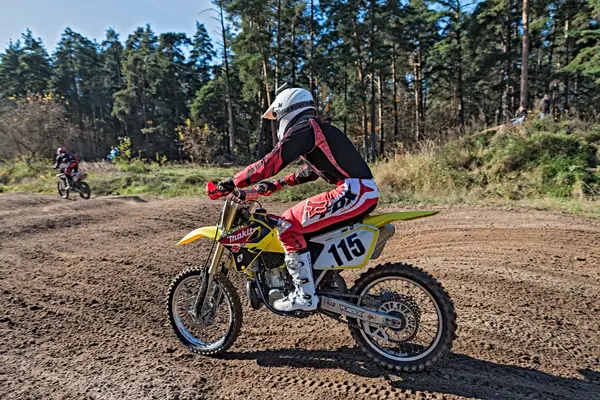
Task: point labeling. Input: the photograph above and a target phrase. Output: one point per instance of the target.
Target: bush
(33, 126)
(134, 165)
(513, 163)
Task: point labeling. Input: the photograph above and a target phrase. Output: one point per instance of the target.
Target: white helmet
(289, 103)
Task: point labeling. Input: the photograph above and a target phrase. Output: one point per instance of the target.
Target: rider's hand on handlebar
(267, 188)
(244, 195)
(226, 186)
(217, 190)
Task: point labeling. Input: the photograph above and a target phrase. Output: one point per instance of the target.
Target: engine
(276, 280)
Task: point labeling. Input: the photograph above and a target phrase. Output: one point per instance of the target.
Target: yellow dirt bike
(397, 313)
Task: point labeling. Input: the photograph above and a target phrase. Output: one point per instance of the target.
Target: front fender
(211, 232)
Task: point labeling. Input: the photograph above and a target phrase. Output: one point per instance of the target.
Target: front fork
(226, 223)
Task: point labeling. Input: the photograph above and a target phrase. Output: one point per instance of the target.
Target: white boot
(303, 298)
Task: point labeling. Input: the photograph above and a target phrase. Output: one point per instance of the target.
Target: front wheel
(426, 312)
(84, 190)
(219, 323)
(62, 189)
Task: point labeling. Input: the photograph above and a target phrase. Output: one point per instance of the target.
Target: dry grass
(422, 174)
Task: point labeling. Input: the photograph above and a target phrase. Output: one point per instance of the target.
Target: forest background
(415, 84)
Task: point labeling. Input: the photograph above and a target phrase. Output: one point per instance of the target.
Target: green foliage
(134, 165)
(519, 163)
(124, 147)
(389, 73)
(123, 178)
(545, 166)
(25, 67)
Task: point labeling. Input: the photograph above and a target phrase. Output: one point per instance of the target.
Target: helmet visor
(270, 113)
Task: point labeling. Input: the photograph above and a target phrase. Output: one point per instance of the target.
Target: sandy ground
(83, 284)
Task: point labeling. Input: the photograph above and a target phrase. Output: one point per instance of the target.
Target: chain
(338, 294)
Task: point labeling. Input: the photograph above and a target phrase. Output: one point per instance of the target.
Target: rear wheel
(84, 190)
(62, 189)
(219, 323)
(426, 312)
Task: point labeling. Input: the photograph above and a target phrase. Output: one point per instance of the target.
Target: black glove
(226, 186)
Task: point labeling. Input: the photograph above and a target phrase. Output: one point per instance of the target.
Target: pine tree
(421, 35)
(228, 78)
(133, 105)
(11, 79)
(171, 85)
(112, 55)
(525, 56)
(388, 73)
(201, 57)
(34, 62)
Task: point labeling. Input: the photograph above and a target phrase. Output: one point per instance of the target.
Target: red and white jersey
(327, 152)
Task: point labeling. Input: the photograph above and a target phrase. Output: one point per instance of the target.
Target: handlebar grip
(240, 194)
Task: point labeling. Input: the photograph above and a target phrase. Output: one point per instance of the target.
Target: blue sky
(48, 18)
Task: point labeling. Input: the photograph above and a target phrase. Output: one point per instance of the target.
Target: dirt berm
(82, 315)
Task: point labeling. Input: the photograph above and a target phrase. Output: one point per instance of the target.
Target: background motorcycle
(77, 185)
(398, 314)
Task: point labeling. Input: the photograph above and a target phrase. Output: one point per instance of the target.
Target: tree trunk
(459, 78)
(293, 44)
(361, 78)
(373, 122)
(567, 60)
(260, 145)
(551, 53)
(418, 87)
(365, 124)
(311, 68)
(549, 87)
(503, 112)
(525, 56)
(395, 92)
(266, 81)
(381, 130)
(277, 53)
(230, 121)
(372, 71)
(345, 102)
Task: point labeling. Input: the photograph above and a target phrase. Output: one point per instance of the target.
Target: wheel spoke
(407, 301)
(211, 327)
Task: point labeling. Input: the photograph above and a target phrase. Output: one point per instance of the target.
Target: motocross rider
(71, 164)
(328, 154)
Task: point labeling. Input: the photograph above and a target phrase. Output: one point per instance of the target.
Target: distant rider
(68, 164)
(328, 154)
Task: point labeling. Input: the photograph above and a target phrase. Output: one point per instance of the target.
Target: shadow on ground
(459, 375)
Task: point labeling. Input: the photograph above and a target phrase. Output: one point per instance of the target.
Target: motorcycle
(398, 314)
(77, 185)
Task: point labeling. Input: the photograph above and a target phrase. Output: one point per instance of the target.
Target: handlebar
(215, 192)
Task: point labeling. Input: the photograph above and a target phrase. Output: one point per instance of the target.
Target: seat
(351, 221)
(383, 219)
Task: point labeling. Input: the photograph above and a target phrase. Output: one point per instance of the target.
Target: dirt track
(82, 288)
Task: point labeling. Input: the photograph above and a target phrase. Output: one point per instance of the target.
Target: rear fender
(383, 219)
(211, 232)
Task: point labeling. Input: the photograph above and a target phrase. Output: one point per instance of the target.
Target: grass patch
(542, 165)
(531, 162)
(115, 179)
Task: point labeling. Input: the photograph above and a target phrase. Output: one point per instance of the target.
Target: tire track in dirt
(82, 286)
